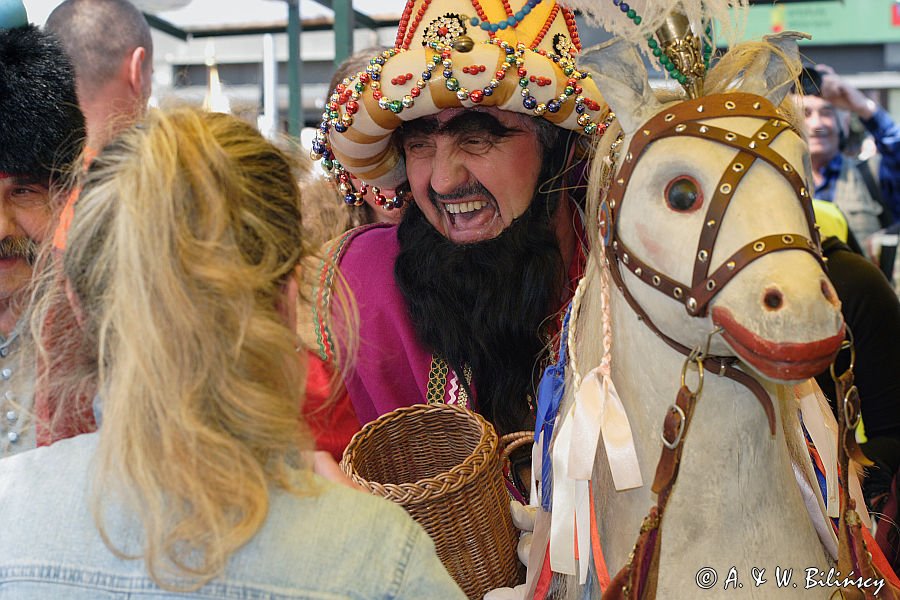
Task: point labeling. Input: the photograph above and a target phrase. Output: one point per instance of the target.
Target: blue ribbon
(550, 394)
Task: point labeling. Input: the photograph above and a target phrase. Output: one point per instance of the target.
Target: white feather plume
(729, 15)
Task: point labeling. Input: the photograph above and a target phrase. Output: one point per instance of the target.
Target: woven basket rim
(425, 488)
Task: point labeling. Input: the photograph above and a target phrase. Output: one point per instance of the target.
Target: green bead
(523, 82)
(664, 60)
(652, 42)
(670, 67)
(631, 14)
(453, 84)
(396, 106)
(637, 20)
(569, 90)
(327, 164)
(590, 128)
(657, 52)
(568, 71)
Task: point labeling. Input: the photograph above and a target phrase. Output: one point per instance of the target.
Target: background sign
(830, 22)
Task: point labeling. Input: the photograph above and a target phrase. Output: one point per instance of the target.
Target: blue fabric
(550, 393)
(820, 474)
(332, 542)
(887, 139)
(830, 173)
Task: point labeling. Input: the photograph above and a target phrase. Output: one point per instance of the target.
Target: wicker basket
(442, 464)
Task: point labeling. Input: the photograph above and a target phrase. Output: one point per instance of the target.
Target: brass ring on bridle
(695, 357)
(845, 345)
(852, 416)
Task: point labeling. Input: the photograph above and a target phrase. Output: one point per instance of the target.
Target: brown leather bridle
(686, 119)
(638, 578)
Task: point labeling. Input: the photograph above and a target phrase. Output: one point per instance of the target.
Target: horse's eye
(683, 194)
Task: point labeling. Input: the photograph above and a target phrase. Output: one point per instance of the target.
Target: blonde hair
(186, 232)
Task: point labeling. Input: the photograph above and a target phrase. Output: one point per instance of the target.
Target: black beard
(485, 305)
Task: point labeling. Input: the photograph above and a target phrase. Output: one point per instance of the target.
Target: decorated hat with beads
(516, 55)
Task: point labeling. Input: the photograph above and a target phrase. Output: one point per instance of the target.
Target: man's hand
(843, 95)
(516, 593)
(523, 519)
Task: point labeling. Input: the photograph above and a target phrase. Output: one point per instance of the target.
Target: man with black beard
(500, 334)
(41, 134)
(461, 303)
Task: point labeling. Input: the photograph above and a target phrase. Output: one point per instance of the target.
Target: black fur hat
(41, 126)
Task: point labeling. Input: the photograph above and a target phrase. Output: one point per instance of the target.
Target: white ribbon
(823, 430)
(562, 526)
(598, 409)
(819, 422)
(571, 510)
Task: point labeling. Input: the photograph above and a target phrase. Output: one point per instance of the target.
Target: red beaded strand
(546, 27)
(412, 30)
(404, 21)
(573, 28)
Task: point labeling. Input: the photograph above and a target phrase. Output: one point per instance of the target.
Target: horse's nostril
(773, 299)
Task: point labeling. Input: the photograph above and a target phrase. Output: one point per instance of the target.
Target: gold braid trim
(439, 378)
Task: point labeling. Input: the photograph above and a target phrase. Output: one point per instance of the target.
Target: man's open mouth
(469, 213)
(471, 221)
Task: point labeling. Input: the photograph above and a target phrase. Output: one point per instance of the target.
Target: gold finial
(463, 44)
(679, 44)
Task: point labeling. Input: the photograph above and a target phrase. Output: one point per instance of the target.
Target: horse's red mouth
(785, 361)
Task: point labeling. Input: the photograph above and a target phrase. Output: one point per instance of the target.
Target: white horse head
(711, 214)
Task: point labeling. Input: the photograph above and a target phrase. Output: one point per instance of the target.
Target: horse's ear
(772, 74)
(621, 77)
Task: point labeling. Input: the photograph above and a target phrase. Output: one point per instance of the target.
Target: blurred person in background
(110, 45)
(366, 204)
(41, 136)
(867, 192)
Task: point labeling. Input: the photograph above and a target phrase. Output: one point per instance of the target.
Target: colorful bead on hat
(516, 55)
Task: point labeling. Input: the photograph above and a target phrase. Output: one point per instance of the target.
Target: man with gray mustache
(41, 134)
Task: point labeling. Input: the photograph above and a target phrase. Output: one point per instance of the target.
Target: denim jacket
(336, 544)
